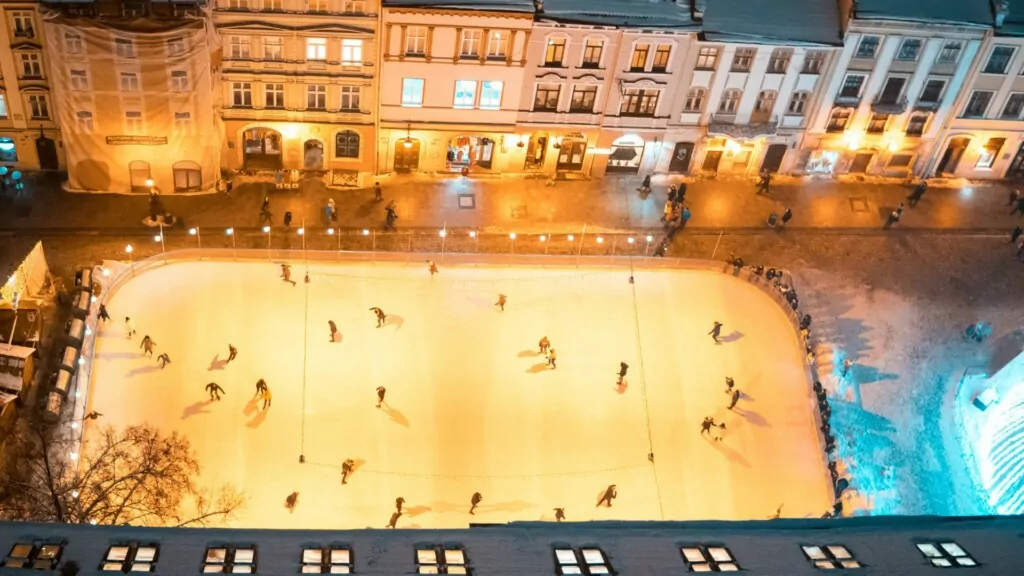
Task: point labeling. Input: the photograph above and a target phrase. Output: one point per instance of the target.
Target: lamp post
(194, 231)
(475, 236)
(302, 232)
(330, 232)
(160, 238)
(266, 230)
(131, 262)
(512, 246)
(443, 233)
(647, 246)
(234, 248)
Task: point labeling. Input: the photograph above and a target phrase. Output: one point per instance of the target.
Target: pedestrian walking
(772, 219)
(918, 192)
(129, 327)
(380, 395)
(734, 400)
(291, 501)
(163, 359)
(847, 363)
(398, 504)
(390, 216)
(381, 317)
(346, 469)
(215, 390)
(501, 302)
(1020, 251)
(609, 494)
(334, 330)
(378, 194)
(145, 341)
(1014, 196)
(544, 344)
(705, 426)
(894, 217)
(232, 352)
(764, 184)
(1014, 235)
(716, 331)
(552, 356)
(786, 216)
(261, 387)
(474, 502)
(1019, 207)
(394, 520)
(288, 220)
(433, 267)
(147, 345)
(267, 397)
(645, 185)
(286, 273)
(559, 514)
(265, 214)
(729, 383)
(103, 314)
(623, 368)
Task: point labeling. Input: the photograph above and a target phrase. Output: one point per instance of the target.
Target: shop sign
(136, 140)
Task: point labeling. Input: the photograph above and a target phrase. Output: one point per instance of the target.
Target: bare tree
(132, 476)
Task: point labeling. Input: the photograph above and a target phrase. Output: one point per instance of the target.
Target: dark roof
(773, 22)
(1013, 25)
(887, 545)
(978, 12)
(648, 14)
(486, 5)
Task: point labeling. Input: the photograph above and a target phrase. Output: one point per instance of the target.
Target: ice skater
(261, 387)
(267, 397)
(147, 345)
(286, 273)
(399, 502)
(735, 398)
(729, 383)
(433, 267)
(334, 330)
(232, 353)
(103, 314)
(291, 501)
(716, 331)
(559, 514)
(501, 302)
(544, 344)
(552, 356)
(609, 494)
(129, 327)
(380, 395)
(163, 359)
(474, 502)
(346, 469)
(215, 390)
(394, 520)
(705, 426)
(718, 431)
(623, 368)
(381, 316)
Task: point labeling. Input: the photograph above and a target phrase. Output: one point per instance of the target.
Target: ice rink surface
(470, 405)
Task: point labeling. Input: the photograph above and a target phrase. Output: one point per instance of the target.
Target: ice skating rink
(470, 406)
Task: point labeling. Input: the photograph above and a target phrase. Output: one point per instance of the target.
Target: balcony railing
(898, 106)
(923, 105)
(847, 100)
(725, 124)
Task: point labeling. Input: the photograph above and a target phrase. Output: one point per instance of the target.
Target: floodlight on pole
(266, 230)
(194, 231)
(234, 247)
(131, 262)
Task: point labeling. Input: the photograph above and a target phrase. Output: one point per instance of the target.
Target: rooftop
(482, 5)
(646, 14)
(773, 22)
(977, 12)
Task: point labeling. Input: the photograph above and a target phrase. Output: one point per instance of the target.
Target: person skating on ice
(346, 469)
(129, 327)
(261, 387)
(501, 301)
(729, 383)
(399, 502)
(380, 395)
(214, 390)
(267, 397)
(544, 344)
(433, 268)
(705, 426)
(394, 519)
(559, 514)
(552, 356)
(716, 331)
(103, 314)
(609, 494)
(474, 502)
(381, 316)
(735, 399)
(623, 368)
(148, 344)
(291, 501)
(232, 353)
(334, 330)
(286, 273)
(163, 359)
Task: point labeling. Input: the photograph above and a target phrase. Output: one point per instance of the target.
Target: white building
(894, 86)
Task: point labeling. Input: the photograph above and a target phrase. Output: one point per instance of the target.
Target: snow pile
(1000, 453)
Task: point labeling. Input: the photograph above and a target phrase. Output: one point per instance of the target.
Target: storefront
(468, 152)
(572, 150)
(626, 154)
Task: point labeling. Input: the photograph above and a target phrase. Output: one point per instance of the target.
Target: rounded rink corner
(473, 403)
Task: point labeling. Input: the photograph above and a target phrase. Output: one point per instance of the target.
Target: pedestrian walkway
(529, 205)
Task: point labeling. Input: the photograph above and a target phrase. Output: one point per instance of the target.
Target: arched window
(188, 176)
(730, 101)
(138, 174)
(346, 144)
(695, 100)
(766, 101)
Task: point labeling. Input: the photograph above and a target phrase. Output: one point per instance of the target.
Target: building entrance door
(773, 157)
(46, 149)
(407, 155)
(711, 160)
(1016, 169)
(951, 157)
(681, 154)
(570, 155)
(860, 163)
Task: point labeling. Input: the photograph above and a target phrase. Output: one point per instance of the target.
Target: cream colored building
(29, 135)
(298, 86)
(451, 81)
(132, 89)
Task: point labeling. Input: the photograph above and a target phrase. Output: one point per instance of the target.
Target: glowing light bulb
(570, 237)
(630, 240)
(366, 232)
(543, 237)
(512, 235)
(600, 240)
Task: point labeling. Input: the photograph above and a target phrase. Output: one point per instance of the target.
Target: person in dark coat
(346, 469)
(104, 316)
(609, 494)
(380, 395)
(334, 330)
(214, 391)
(623, 368)
(786, 216)
(232, 352)
(474, 502)
(381, 317)
(716, 331)
(1014, 235)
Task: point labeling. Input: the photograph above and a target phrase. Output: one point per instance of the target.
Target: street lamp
(194, 231)
(647, 246)
(234, 248)
(128, 249)
(512, 246)
(160, 238)
(266, 230)
(443, 233)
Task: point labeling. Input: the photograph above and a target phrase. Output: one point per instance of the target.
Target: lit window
(877, 122)
(133, 122)
(79, 79)
(555, 51)
(73, 43)
(592, 53)
(465, 93)
(415, 41)
(34, 556)
(707, 58)
(124, 48)
(351, 52)
(350, 97)
(3, 106)
(946, 554)
(639, 58)
(497, 45)
(916, 124)
(327, 561)
(130, 558)
(441, 560)
(709, 558)
(230, 560)
(354, 6)
(694, 100)
(316, 5)
(175, 46)
(637, 102)
(990, 152)
(412, 92)
(582, 561)
(85, 124)
(316, 49)
(547, 97)
(661, 57)
(490, 94)
(742, 59)
(179, 81)
(129, 82)
(839, 119)
(830, 557)
(583, 98)
(470, 43)
(868, 47)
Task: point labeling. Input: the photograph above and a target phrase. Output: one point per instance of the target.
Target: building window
(241, 94)
(832, 556)
(179, 81)
(84, 118)
(31, 65)
(742, 59)
(978, 104)
(346, 144)
(354, 6)
(592, 53)
(546, 98)
(3, 105)
(838, 120)
(129, 82)
(133, 122)
(916, 124)
(73, 43)
(176, 47)
(555, 51)
(23, 27)
(318, 6)
(33, 556)
(582, 561)
(441, 560)
(351, 52)
(274, 94)
(910, 49)
(1014, 106)
(230, 560)
(238, 47)
(412, 92)
(316, 97)
(124, 48)
(998, 60)
(950, 53)
(327, 561)
(798, 103)
(273, 5)
(350, 97)
(779, 61)
(876, 125)
(892, 90)
(470, 43)
(990, 152)
(709, 558)
(415, 41)
(813, 61)
(236, 4)
(730, 101)
(79, 79)
(895, 161)
(188, 176)
(490, 94)
(852, 85)
(497, 46)
(932, 91)
(707, 58)
(273, 48)
(583, 98)
(133, 9)
(766, 101)
(695, 100)
(316, 48)
(945, 554)
(183, 122)
(636, 102)
(661, 58)
(868, 47)
(639, 58)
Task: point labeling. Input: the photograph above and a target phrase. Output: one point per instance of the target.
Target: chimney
(1002, 11)
(538, 6)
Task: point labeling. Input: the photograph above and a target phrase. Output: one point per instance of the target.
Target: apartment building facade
(29, 135)
(451, 79)
(298, 86)
(894, 87)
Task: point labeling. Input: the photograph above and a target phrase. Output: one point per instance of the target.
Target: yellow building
(298, 86)
(29, 138)
(132, 87)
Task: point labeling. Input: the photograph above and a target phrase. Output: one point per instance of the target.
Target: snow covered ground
(470, 406)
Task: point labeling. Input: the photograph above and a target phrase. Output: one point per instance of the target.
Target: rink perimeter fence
(111, 275)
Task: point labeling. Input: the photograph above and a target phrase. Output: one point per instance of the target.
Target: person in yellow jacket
(267, 397)
(552, 356)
